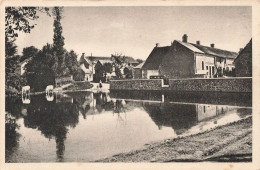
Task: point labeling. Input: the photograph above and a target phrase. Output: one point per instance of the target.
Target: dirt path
(232, 142)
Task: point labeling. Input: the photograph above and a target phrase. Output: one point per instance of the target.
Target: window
(207, 67)
(202, 65)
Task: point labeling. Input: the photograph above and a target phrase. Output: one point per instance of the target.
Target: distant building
(187, 60)
(138, 71)
(243, 62)
(21, 68)
(128, 61)
(88, 63)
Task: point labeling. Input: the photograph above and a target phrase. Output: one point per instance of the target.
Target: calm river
(84, 126)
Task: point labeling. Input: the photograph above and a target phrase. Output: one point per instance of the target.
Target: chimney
(157, 45)
(212, 45)
(240, 50)
(185, 38)
(198, 42)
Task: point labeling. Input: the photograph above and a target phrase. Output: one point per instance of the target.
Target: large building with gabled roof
(187, 60)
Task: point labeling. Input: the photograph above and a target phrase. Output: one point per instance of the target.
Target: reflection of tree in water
(13, 106)
(11, 136)
(52, 119)
(179, 117)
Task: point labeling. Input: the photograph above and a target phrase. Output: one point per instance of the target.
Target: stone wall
(212, 85)
(141, 84)
(216, 84)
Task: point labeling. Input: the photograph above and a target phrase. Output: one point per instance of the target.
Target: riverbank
(228, 143)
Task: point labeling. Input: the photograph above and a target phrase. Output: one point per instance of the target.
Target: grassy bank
(231, 142)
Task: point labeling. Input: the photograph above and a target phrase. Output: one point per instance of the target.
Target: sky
(134, 31)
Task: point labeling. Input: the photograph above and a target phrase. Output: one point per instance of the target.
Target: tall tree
(58, 39)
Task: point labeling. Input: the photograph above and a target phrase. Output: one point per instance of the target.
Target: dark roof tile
(155, 58)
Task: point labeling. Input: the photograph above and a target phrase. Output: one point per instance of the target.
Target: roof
(190, 46)
(155, 58)
(96, 58)
(105, 61)
(247, 51)
(131, 60)
(127, 59)
(216, 52)
(139, 66)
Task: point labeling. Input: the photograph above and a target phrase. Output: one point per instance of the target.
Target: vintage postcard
(130, 85)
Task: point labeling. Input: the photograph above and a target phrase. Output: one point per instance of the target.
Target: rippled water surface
(84, 126)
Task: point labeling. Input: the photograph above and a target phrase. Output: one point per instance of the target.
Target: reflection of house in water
(206, 111)
(182, 117)
(60, 98)
(91, 104)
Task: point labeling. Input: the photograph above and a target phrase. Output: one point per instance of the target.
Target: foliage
(40, 69)
(139, 60)
(58, 39)
(71, 61)
(128, 73)
(17, 19)
(10, 49)
(101, 71)
(29, 52)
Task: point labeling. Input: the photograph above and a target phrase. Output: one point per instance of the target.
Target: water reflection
(56, 116)
(52, 119)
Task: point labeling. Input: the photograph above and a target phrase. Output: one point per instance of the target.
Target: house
(88, 63)
(187, 60)
(21, 68)
(138, 71)
(127, 60)
(243, 62)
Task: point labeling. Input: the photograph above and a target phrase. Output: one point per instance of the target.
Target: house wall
(178, 63)
(137, 73)
(229, 64)
(204, 65)
(152, 73)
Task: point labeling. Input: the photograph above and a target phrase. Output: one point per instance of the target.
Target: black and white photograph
(128, 84)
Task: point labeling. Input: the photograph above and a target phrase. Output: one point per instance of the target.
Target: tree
(118, 64)
(40, 69)
(29, 52)
(58, 39)
(128, 73)
(17, 19)
(71, 61)
(139, 60)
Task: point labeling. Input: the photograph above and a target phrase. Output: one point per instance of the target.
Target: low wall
(138, 84)
(214, 85)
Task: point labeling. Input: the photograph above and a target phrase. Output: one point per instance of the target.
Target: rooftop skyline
(134, 31)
